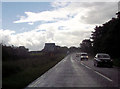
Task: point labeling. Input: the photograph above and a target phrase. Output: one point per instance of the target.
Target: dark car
(83, 56)
(102, 59)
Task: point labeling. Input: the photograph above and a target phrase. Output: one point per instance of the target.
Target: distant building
(49, 47)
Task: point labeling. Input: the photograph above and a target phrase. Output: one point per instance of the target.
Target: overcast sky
(32, 24)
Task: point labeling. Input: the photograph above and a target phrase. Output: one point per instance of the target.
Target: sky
(32, 24)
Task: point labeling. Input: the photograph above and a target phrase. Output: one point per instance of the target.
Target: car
(83, 56)
(77, 54)
(103, 59)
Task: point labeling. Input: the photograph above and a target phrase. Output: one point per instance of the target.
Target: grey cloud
(5, 39)
(72, 38)
(81, 34)
(99, 12)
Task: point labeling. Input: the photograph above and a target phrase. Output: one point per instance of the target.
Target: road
(71, 72)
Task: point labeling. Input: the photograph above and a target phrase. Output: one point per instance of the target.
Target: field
(17, 74)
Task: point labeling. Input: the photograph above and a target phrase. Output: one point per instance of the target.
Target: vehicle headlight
(82, 56)
(87, 56)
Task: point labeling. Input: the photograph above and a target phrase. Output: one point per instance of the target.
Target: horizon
(32, 24)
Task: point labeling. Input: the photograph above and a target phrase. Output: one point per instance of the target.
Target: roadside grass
(34, 54)
(25, 71)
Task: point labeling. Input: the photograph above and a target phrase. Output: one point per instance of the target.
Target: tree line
(105, 38)
(13, 53)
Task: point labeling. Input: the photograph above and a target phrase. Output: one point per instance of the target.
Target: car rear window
(103, 56)
(83, 54)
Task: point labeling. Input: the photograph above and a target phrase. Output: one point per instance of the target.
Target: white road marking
(38, 81)
(71, 59)
(33, 85)
(85, 66)
(82, 64)
(103, 76)
(98, 73)
(64, 60)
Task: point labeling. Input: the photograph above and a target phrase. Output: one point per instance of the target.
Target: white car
(83, 56)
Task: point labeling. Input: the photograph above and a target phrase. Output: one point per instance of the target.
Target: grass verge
(29, 70)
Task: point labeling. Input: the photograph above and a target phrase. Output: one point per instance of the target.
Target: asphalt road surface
(71, 72)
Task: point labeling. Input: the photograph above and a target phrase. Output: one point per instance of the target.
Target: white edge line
(37, 80)
(98, 73)
(103, 76)
(87, 67)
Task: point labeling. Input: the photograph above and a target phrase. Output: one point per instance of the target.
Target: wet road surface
(71, 72)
